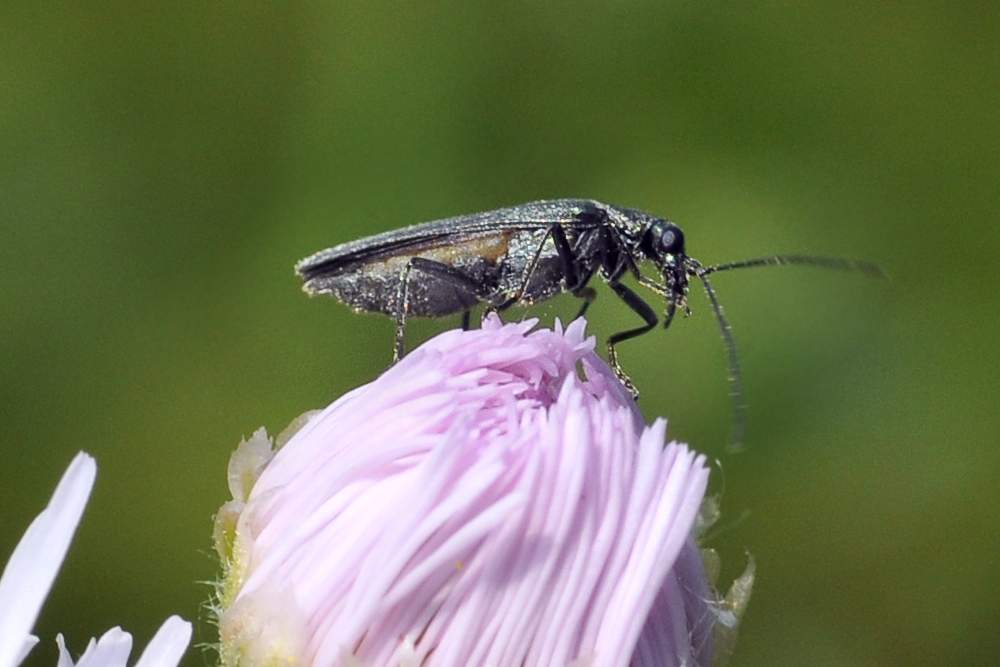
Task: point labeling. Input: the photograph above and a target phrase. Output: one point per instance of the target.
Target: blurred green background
(163, 166)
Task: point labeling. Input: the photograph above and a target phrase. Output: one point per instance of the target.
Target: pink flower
(493, 499)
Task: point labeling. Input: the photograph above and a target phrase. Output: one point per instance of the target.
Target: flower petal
(167, 645)
(29, 643)
(111, 650)
(33, 566)
(493, 499)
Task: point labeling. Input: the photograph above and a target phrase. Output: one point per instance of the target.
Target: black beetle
(528, 253)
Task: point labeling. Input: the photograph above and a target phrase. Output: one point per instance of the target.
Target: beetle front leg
(643, 310)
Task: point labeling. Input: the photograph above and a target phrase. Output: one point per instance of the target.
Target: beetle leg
(653, 286)
(448, 274)
(588, 294)
(579, 288)
(575, 280)
(466, 319)
(402, 306)
(643, 310)
(529, 270)
(671, 311)
(566, 258)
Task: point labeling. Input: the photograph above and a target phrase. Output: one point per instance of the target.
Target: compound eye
(672, 240)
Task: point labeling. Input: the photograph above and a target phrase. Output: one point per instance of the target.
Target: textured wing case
(489, 249)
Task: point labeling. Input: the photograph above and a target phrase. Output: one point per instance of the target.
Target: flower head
(493, 499)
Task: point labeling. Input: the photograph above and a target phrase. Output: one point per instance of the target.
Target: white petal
(168, 645)
(111, 650)
(65, 659)
(29, 643)
(32, 567)
(114, 647)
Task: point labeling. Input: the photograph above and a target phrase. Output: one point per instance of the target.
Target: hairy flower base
(493, 499)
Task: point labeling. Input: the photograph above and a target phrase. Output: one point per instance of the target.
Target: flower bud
(493, 499)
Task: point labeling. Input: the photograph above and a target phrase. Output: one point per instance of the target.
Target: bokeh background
(162, 166)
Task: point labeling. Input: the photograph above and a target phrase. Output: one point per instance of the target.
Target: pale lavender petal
(33, 566)
(683, 611)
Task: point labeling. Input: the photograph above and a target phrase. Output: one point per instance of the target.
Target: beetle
(527, 253)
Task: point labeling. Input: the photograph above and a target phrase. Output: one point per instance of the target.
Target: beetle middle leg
(529, 268)
(581, 291)
(575, 280)
(443, 272)
(588, 294)
(643, 310)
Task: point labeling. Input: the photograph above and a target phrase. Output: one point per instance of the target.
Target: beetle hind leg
(442, 272)
(402, 306)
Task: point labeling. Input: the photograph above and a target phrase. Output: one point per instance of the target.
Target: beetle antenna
(733, 364)
(837, 263)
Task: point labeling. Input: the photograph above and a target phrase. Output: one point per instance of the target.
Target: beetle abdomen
(373, 285)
